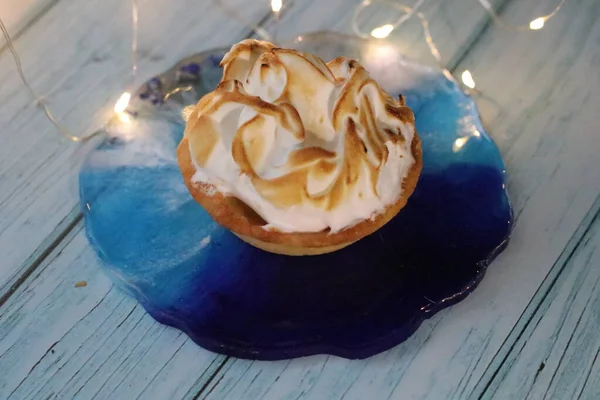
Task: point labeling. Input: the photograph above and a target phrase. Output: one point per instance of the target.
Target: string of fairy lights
(380, 32)
(42, 102)
(383, 31)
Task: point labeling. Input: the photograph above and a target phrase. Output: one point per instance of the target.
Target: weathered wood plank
(78, 53)
(557, 355)
(105, 343)
(60, 340)
(509, 350)
(540, 99)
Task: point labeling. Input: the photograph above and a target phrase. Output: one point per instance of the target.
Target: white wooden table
(529, 331)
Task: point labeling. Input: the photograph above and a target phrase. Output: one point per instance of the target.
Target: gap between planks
(503, 353)
(211, 377)
(44, 250)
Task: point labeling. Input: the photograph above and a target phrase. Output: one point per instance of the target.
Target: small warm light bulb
(537, 24)
(467, 79)
(459, 143)
(383, 31)
(123, 102)
(124, 117)
(276, 5)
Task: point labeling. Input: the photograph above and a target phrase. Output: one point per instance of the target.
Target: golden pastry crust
(236, 216)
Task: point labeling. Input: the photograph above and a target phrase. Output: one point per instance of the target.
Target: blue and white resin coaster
(161, 247)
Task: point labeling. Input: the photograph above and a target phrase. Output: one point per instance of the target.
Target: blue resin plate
(162, 248)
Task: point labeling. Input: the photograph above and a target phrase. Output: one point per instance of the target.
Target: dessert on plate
(297, 156)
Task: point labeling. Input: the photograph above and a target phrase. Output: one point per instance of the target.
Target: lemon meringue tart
(296, 156)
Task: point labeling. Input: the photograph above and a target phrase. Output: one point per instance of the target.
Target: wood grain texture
(509, 349)
(78, 54)
(557, 355)
(62, 341)
(540, 98)
(106, 343)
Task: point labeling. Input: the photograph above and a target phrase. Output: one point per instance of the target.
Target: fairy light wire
(276, 5)
(39, 101)
(535, 24)
(384, 30)
(123, 101)
(43, 103)
(134, 40)
(407, 13)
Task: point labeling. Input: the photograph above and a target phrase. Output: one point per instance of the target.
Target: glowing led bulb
(124, 118)
(467, 79)
(123, 102)
(382, 32)
(537, 24)
(459, 143)
(276, 5)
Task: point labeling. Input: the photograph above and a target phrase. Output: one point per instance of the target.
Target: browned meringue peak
(306, 133)
(241, 57)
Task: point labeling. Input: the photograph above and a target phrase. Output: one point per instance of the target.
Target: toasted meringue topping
(307, 145)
